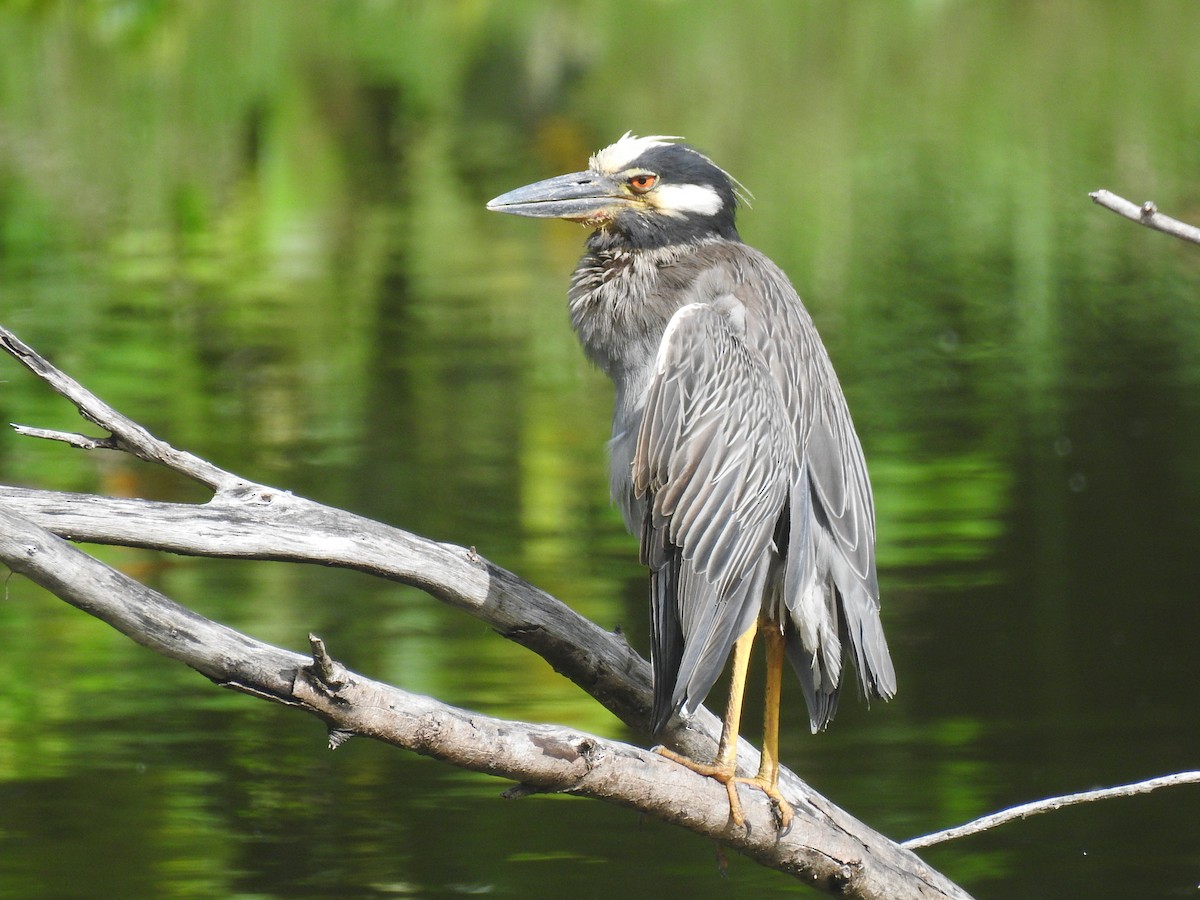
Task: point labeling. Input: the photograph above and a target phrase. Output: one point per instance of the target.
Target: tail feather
(820, 695)
(666, 638)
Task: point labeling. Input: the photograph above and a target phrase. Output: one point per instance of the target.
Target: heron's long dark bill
(580, 196)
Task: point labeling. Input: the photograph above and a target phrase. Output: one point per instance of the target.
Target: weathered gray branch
(266, 524)
(544, 757)
(1147, 214)
(825, 847)
(833, 856)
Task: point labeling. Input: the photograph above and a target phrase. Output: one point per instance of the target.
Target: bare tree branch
(546, 758)
(1147, 214)
(1025, 810)
(541, 757)
(825, 847)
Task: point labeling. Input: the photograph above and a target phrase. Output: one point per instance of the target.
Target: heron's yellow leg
(727, 748)
(767, 778)
(724, 767)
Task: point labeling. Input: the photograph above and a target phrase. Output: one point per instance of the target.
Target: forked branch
(123, 433)
(541, 757)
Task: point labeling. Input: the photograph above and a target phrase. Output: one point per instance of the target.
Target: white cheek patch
(681, 199)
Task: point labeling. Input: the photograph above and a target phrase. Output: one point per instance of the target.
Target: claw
(784, 818)
(779, 806)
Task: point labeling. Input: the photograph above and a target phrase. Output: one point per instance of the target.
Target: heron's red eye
(642, 183)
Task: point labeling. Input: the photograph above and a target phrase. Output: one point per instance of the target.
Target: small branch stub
(328, 674)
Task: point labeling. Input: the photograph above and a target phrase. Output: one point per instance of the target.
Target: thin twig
(1050, 803)
(72, 438)
(1147, 214)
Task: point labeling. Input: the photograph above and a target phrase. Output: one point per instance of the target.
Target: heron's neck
(620, 302)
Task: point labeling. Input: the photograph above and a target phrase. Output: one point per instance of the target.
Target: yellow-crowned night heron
(733, 454)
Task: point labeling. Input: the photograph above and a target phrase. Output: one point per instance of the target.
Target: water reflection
(258, 228)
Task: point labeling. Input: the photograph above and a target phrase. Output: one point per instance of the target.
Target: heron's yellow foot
(725, 773)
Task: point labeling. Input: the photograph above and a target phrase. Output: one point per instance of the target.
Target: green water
(257, 227)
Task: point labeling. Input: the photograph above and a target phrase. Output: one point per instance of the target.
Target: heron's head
(650, 191)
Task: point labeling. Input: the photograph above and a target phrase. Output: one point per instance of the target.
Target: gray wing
(714, 459)
(830, 588)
